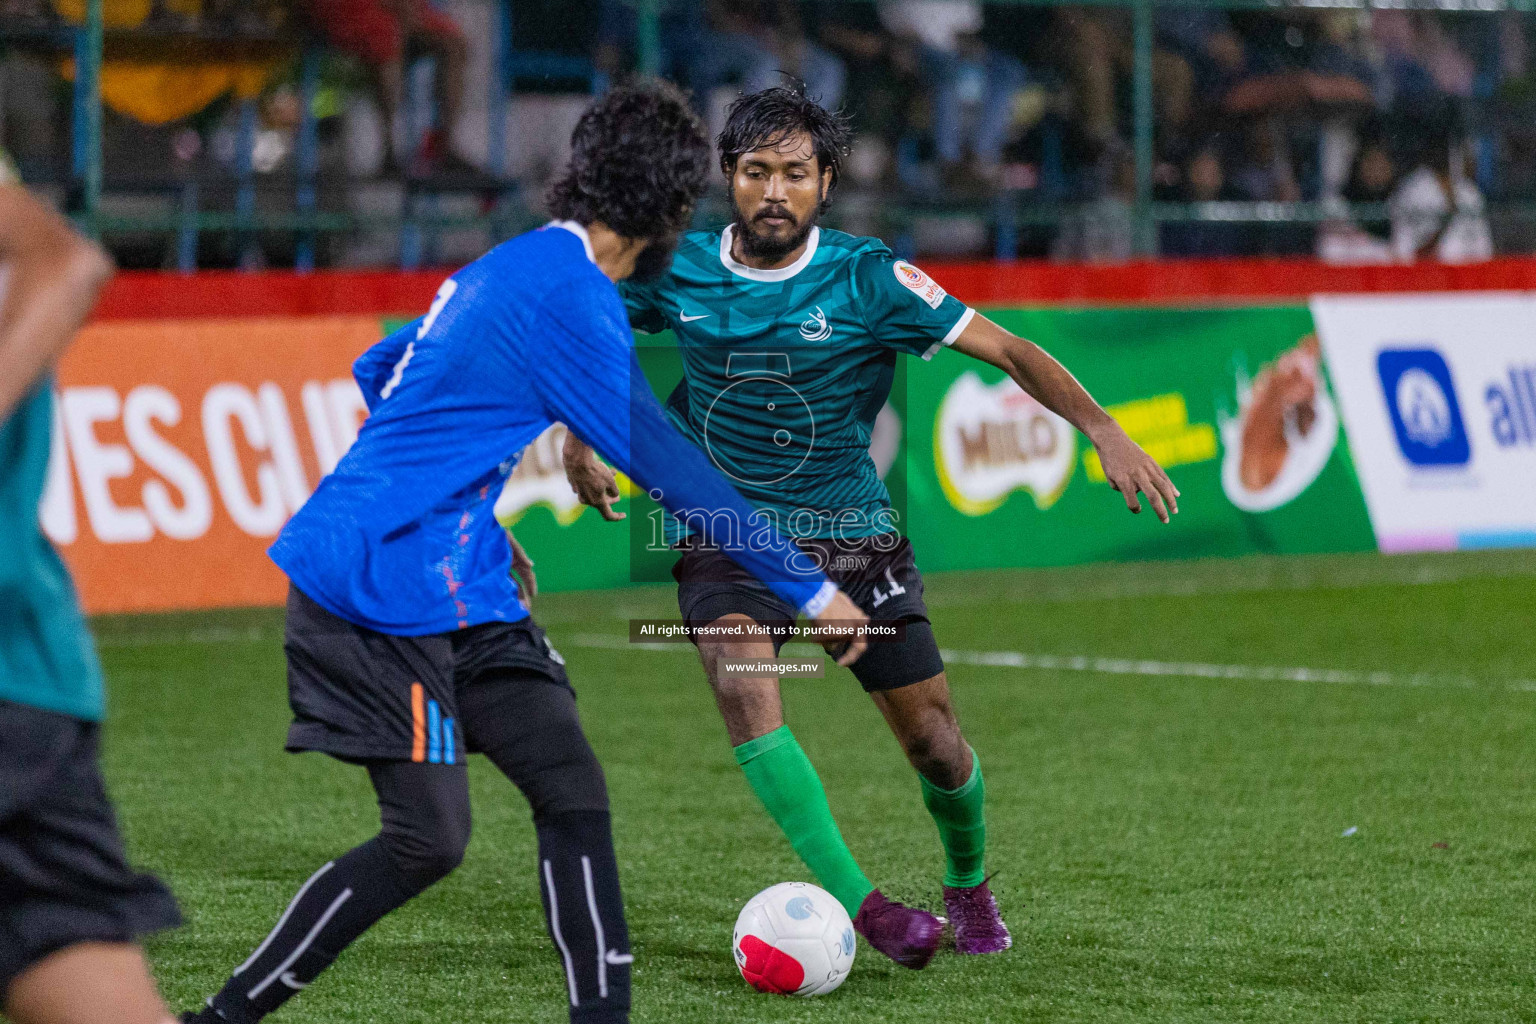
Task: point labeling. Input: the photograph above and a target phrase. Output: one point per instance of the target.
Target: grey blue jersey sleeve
(596, 388)
(906, 309)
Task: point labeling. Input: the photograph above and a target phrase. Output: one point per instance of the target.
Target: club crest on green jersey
(925, 287)
(815, 326)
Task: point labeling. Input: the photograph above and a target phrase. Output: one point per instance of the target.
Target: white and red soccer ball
(794, 939)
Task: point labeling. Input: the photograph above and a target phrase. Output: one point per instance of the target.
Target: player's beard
(655, 259)
(773, 248)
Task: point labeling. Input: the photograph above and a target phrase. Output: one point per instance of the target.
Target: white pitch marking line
(1133, 667)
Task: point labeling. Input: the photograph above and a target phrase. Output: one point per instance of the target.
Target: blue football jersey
(402, 538)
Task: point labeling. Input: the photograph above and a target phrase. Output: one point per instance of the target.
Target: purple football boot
(978, 925)
(905, 934)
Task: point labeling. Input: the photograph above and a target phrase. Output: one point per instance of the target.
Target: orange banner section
(181, 447)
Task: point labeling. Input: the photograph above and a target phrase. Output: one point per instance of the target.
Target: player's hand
(1129, 470)
(594, 483)
(842, 612)
(522, 569)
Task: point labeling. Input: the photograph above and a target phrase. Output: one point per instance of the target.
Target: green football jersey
(47, 659)
(784, 371)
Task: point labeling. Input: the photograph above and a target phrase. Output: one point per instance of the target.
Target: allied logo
(992, 440)
(1512, 406)
(815, 326)
(925, 287)
(1421, 400)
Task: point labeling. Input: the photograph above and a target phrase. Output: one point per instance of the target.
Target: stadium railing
(416, 221)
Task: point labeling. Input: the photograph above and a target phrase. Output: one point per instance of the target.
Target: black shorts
(362, 695)
(878, 573)
(64, 876)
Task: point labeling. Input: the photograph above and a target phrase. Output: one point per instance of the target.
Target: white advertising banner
(1439, 401)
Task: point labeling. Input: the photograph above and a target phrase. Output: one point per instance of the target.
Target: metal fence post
(1146, 230)
(245, 185)
(648, 38)
(501, 85)
(86, 120)
(306, 159)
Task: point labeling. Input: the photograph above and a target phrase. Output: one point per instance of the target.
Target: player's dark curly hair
(762, 120)
(639, 162)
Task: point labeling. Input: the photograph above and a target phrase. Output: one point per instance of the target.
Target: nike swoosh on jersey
(685, 318)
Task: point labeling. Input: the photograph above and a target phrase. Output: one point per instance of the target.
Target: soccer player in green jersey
(70, 906)
(789, 336)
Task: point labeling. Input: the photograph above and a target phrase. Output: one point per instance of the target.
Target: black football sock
(424, 810)
(579, 882)
(338, 903)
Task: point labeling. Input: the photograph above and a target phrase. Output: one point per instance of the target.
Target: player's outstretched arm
(596, 485)
(593, 481)
(1128, 468)
(594, 385)
(522, 569)
(55, 277)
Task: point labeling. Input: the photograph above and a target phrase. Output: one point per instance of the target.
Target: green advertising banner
(1234, 403)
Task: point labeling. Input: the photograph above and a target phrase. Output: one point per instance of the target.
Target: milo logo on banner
(992, 440)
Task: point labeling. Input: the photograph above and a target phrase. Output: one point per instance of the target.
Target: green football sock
(785, 781)
(961, 817)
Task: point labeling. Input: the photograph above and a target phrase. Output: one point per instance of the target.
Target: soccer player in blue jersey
(71, 908)
(407, 643)
(789, 336)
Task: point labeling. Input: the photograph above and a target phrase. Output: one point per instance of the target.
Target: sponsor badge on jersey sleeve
(924, 286)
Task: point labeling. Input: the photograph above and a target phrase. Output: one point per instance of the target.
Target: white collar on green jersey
(577, 230)
(752, 273)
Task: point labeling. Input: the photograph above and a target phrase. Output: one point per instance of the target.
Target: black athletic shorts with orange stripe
(361, 695)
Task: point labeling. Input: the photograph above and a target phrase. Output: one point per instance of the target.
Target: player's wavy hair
(639, 162)
(762, 120)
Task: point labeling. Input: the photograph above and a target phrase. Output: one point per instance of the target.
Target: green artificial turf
(1169, 847)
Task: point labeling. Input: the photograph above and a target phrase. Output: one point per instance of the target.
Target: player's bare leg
(87, 983)
(923, 721)
(749, 705)
(785, 781)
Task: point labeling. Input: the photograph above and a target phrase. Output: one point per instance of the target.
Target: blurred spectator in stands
(883, 72)
(1263, 172)
(1301, 61)
(972, 85)
(1104, 230)
(755, 43)
(1421, 59)
(1204, 181)
(1100, 58)
(27, 10)
(1437, 211)
(709, 43)
(1372, 179)
(1204, 41)
(679, 37)
(381, 33)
